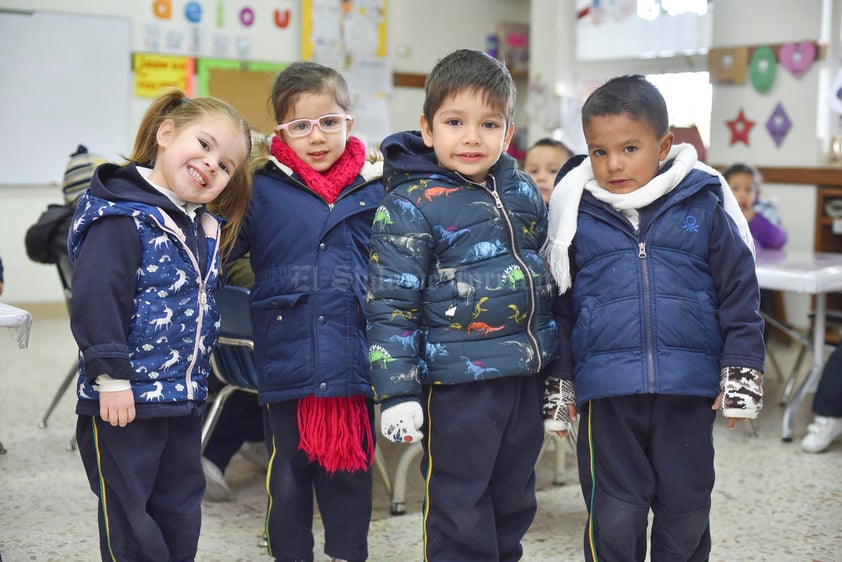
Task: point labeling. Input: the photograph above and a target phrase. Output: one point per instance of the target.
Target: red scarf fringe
(327, 185)
(336, 432)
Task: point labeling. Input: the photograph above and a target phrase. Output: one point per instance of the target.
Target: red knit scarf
(329, 184)
(335, 432)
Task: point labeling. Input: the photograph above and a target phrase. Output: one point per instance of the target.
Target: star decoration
(778, 124)
(740, 128)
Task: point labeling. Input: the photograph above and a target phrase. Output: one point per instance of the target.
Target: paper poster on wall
(155, 73)
(371, 119)
(336, 33)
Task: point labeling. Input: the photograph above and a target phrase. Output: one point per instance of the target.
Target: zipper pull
(203, 296)
(641, 250)
(497, 201)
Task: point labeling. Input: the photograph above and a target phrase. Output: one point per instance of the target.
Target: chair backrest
(65, 275)
(233, 304)
(233, 356)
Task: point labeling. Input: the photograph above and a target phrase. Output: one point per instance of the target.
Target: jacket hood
(125, 183)
(406, 156)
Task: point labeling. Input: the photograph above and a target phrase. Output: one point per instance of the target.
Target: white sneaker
(255, 452)
(821, 433)
(216, 490)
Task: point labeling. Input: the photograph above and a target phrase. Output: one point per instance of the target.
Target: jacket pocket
(283, 343)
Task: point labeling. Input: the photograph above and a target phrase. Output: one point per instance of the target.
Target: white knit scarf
(564, 204)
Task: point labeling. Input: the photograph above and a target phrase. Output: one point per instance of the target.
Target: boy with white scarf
(661, 325)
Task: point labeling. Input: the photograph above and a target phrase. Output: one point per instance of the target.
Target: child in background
(661, 328)
(762, 217)
(543, 161)
(307, 230)
(459, 311)
(146, 257)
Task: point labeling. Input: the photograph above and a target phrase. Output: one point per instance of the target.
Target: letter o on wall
(247, 17)
(193, 12)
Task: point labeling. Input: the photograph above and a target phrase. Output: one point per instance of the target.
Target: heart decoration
(797, 57)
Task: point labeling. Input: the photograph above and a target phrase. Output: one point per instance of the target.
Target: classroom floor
(772, 502)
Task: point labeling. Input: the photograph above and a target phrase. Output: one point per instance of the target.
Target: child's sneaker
(821, 433)
(216, 490)
(255, 452)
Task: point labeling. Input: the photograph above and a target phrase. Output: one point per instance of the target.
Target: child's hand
(117, 408)
(717, 404)
(741, 394)
(401, 423)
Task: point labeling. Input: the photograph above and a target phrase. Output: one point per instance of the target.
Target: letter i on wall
(220, 14)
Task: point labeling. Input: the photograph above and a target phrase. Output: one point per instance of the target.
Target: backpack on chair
(46, 240)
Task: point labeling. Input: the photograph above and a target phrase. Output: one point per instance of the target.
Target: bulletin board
(246, 86)
(65, 80)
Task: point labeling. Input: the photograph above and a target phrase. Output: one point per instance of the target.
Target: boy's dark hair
(552, 143)
(740, 168)
(631, 95)
(474, 71)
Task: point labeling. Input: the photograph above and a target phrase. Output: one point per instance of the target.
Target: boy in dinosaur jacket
(459, 311)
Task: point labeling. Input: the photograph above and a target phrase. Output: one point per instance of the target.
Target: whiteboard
(65, 80)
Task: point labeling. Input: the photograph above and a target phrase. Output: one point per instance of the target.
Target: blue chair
(232, 361)
(65, 274)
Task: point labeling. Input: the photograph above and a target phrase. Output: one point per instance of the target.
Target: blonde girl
(146, 256)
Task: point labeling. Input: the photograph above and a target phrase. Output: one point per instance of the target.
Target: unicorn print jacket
(457, 291)
(144, 279)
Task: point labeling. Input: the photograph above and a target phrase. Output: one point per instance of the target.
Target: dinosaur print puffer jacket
(456, 289)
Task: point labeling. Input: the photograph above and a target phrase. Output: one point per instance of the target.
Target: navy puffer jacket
(662, 309)
(309, 259)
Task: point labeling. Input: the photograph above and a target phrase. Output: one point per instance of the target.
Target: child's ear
(166, 131)
(664, 146)
(426, 131)
(510, 132)
(349, 126)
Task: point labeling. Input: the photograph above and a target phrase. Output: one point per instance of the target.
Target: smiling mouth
(197, 176)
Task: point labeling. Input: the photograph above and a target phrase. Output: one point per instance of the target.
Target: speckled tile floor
(771, 502)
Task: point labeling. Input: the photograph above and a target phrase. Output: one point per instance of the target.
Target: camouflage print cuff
(558, 393)
(742, 392)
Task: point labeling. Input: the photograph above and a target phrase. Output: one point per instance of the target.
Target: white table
(20, 322)
(810, 273)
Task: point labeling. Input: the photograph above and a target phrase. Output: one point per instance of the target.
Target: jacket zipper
(527, 275)
(648, 330)
(202, 297)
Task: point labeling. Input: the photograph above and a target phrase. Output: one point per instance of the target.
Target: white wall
(803, 99)
(419, 33)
